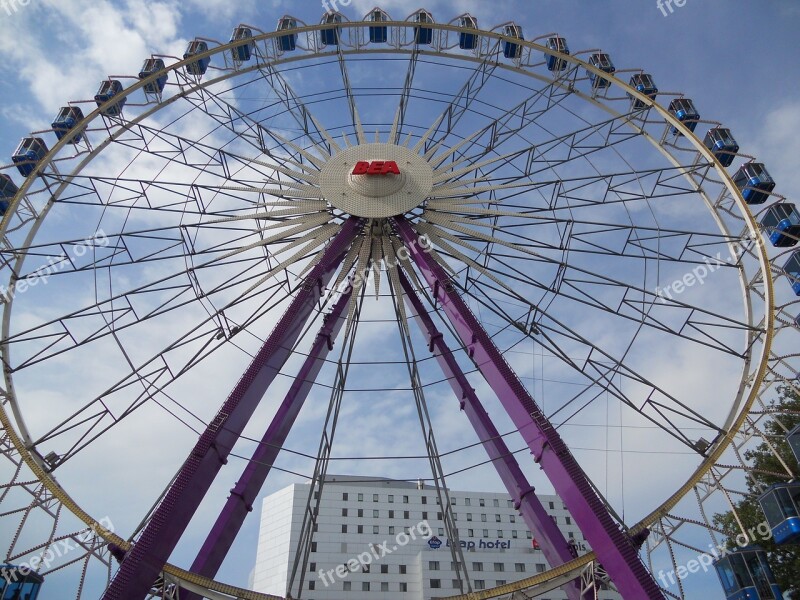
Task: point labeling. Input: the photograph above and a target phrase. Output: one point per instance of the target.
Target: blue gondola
(720, 141)
(781, 506)
(29, 153)
(199, 67)
(330, 36)
(422, 35)
(468, 40)
(8, 189)
(67, 119)
(745, 575)
(510, 49)
(644, 84)
(556, 44)
(793, 437)
(378, 34)
(150, 67)
(288, 41)
(108, 89)
(602, 61)
(686, 113)
(243, 51)
(17, 583)
(792, 268)
(781, 222)
(755, 182)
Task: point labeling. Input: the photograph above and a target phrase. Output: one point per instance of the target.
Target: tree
(766, 470)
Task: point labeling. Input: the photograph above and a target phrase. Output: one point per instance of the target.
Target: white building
(371, 539)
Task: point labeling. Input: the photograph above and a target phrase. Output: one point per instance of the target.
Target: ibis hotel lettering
(376, 167)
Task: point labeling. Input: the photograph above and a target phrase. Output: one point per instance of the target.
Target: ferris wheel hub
(376, 180)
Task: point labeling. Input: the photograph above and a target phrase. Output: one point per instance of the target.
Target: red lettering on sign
(376, 167)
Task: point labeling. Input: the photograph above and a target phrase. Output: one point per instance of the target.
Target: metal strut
(614, 548)
(143, 563)
(555, 547)
(245, 492)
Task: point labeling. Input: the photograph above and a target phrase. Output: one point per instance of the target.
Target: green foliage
(767, 469)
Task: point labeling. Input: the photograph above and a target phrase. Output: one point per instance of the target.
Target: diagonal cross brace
(244, 494)
(145, 560)
(614, 548)
(555, 547)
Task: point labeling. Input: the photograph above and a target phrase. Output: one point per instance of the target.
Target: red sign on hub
(376, 167)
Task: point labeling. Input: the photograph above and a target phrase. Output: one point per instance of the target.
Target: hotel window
(499, 567)
(375, 529)
(441, 530)
(344, 512)
(433, 565)
(482, 502)
(360, 512)
(312, 567)
(500, 533)
(405, 499)
(455, 516)
(402, 569)
(519, 567)
(384, 586)
(360, 529)
(391, 529)
(466, 502)
(453, 501)
(406, 514)
(424, 499)
(571, 535)
(497, 519)
(365, 586)
(424, 516)
(438, 516)
(316, 527)
(375, 514)
(374, 497)
(552, 505)
(436, 583)
(361, 497)
(540, 568)
(365, 568)
(391, 514)
(391, 499)
(514, 533)
(512, 518)
(384, 569)
(528, 534)
(345, 496)
(470, 533)
(344, 528)
(486, 533)
(403, 587)
(500, 582)
(313, 546)
(477, 566)
(311, 584)
(483, 517)
(569, 521)
(510, 503)
(347, 586)
(496, 502)
(480, 584)
(469, 516)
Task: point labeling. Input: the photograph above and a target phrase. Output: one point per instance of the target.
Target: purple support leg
(143, 563)
(240, 502)
(555, 547)
(614, 548)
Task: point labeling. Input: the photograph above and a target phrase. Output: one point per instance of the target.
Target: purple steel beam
(555, 547)
(143, 563)
(614, 548)
(246, 490)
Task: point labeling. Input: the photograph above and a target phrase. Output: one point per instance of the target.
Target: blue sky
(738, 60)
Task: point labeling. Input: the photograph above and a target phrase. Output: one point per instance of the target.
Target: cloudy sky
(736, 59)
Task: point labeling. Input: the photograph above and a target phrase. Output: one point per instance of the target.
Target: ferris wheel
(395, 244)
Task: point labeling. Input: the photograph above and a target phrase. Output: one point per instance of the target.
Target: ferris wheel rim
(744, 211)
